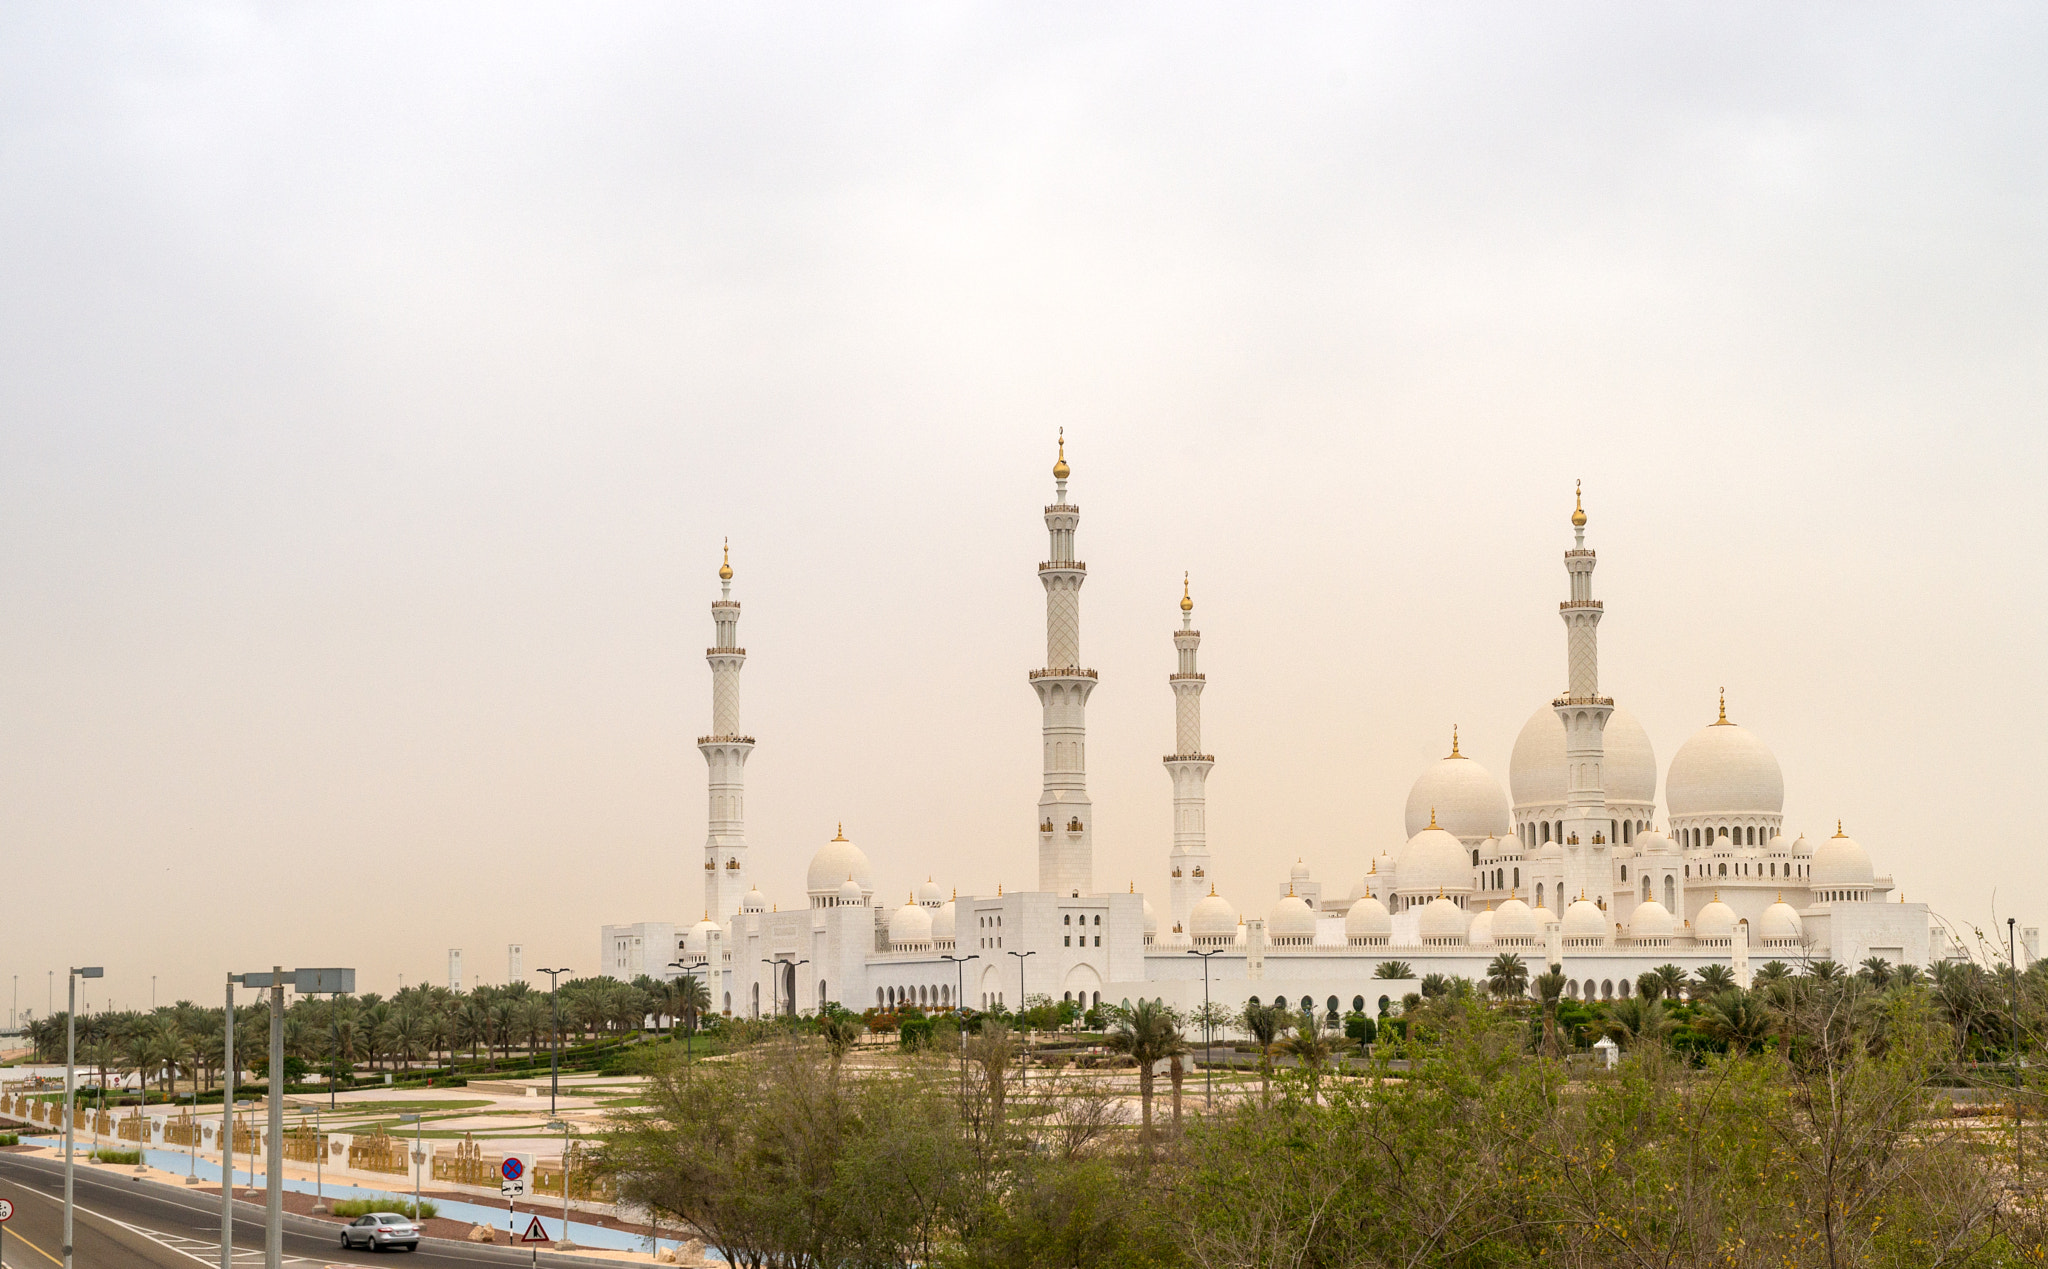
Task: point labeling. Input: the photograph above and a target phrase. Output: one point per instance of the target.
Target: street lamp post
(227, 1132)
(555, 1052)
(689, 1036)
(960, 1004)
(775, 985)
(1024, 1067)
(71, 978)
(553, 1124)
(310, 981)
(1208, 1044)
(2019, 1141)
(419, 1160)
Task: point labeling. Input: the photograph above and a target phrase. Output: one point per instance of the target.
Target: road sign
(512, 1169)
(515, 1179)
(535, 1233)
(7, 1210)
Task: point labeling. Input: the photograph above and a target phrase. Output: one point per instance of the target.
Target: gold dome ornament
(1186, 604)
(725, 567)
(1059, 469)
(1578, 507)
(1722, 721)
(1454, 746)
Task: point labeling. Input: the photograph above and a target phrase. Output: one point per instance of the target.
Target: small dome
(1724, 770)
(943, 922)
(835, 861)
(931, 894)
(1368, 916)
(1460, 796)
(1299, 872)
(1291, 918)
(1442, 919)
(1584, 920)
(851, 894)
(1212, 917)
(1433, 860)
(1481, 929)
(1779, 845)
(1801, 848)
(1515, 920)
(1715, 921)
(1841, 863)
(1652, 842)
(1628, 763)
(1552, 849)
(910, 924)
(1151, 917)
(699, 937)
(754, 901)
(1491, 848)
(1780, 921)
(1544, 917)
(1651, 920)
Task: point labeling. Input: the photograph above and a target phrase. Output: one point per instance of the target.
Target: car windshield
(392, 1220)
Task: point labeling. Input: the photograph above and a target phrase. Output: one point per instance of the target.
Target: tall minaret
(1066, 850)
(725, 753)
(1189, 767)
(1588, 855)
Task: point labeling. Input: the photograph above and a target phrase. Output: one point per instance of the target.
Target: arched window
(757, 1000)
(1646, 887)
(1383, 1005)
(1621, 989)
(1546, 830)
(1624, 872)
(821, 993)
(1539, 897)
(1724, 870)
(1254, 1002)
(1333, 1004)
(1358, 1004)
(728, 1002)
(1518, 878)
(1098, 1000)
(1606, 989)
(1067, 996)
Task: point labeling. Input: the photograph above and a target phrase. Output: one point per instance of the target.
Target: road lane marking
(18, 1238)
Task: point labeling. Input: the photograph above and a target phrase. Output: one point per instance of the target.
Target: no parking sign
(513, 1178)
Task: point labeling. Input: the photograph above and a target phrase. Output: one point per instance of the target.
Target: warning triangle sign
(535, 1233)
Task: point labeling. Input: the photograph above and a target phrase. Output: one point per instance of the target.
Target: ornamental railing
(1047, 566)
(1064, 672)
(725, 740)
(1580, 603)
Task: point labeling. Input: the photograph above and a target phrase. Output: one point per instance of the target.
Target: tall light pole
(71, 978)
(555, 1052)
(227, 1132)
(689, 1037)
(1208, 1045)
(310, 981)
(419, 1161)
(1024, 1067)
(960, 1004)
(775, 983)
(564, 1244)
(2019, 1140)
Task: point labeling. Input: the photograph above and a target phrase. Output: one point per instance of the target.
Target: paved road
(120, 1223)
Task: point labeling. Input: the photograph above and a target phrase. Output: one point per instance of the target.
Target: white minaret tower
(1066, 849)
(1189, 768)
(725, 752)
(1588, 855)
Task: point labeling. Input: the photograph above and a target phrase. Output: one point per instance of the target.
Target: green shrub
(118, 1156)
(363, 1207)
(10, 1138)
(1360, 1028)
(916, 1033)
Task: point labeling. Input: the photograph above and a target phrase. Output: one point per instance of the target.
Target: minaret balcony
(725, 740)
(733, 604)
(1189, 677)
(1580, 603)
(1189, 757)
(1064, 672)
(1060, 506)
(1062, 566)
(1583, 700)
(725, 652)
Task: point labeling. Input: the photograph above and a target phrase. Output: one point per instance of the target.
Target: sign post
(7, 1214)
(514, 1182)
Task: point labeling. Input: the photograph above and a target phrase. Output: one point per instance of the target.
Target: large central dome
(1724, 770)
(1467, 801)
(1536, 769)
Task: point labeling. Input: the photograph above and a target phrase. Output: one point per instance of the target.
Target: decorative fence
(182, 1131)
(378, 1152)
(582, 1178)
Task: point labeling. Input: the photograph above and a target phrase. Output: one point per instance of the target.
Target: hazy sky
(377, 382)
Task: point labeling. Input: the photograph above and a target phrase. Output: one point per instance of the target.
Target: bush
(916, 1033)
(1360, 1028)
(10, 1138)
(363, 1207)
(118, 1156)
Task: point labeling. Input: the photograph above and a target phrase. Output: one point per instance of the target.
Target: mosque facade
(1568, 865)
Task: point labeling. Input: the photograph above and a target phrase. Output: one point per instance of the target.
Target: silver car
(379, 1230)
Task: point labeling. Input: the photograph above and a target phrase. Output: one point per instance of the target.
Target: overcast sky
(377, 383)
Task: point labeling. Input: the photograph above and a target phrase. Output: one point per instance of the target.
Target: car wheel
(344, 1240)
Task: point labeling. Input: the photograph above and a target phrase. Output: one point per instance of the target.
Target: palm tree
(840, 1031)
(1737, 1018)
(1714, 979)
(1263, 1023)
(1825, 971)
(1649, 985)
(1670, 980)
(1634, 1021)
(1313, 1050)
(1908, 975)
(1435, 986)
(1149, 1032)
(1877, 971)
(692, 1002)
(1771, 972)
(1393, 969)
(403, 1035)
(472, 1025)
(1507, 976)
(1550, 990)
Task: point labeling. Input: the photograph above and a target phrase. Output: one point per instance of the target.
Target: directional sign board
(535, 1233)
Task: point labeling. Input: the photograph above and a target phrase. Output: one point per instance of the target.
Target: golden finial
(1134, 887)
(1432, 817)
(999, 890)
(956, 894)
(1722, 721)
(1290, 890)
(841, 835)
(1186, 604)
(1059, 469)
(1781, 896)
(1578, 507)
(1838, 829)
(1212, 888)
(1454, 742)
(725, 568)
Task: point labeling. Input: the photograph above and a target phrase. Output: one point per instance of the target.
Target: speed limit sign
(6, 1210)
